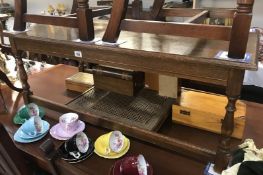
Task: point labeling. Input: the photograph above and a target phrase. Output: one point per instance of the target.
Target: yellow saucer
(102, 143)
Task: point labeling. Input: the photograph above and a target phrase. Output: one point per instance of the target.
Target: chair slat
(177, 29)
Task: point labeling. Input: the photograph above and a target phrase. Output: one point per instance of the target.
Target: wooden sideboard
(174, 163)
(190, 58)
(210, 54)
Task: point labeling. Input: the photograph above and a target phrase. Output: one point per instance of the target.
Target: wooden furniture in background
(192, 58)
(83, 20)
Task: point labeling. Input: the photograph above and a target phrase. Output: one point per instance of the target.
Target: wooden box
(206, 111)
(79, 82)
(122, 81)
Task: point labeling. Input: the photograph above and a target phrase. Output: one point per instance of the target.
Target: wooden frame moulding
(83, 19)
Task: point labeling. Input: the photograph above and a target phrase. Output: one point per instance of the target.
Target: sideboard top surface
(185, 49)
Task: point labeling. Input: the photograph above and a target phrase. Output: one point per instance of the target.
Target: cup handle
(75, 154)
(33, 133)
(23, 120)
(107, 151)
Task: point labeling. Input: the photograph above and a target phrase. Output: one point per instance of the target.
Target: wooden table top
(163, 161)
(184, 49)
(94, 165)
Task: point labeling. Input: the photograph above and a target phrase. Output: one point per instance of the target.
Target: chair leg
(5, 79)
(4, 104)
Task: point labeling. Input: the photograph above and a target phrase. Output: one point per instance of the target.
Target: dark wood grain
(221, 13)
(104, 2)
(74, 6)
(199, 18)
(52, 20)
(5, 79)
(233, 90)
(85, 21)
(240, 29)
(136, 9)
(156, 8)
(186, 12)
(57, 41)
(101, 12)
(180, 12)
(20, 10)
(118, 13)
(179, 29)
(23, 78)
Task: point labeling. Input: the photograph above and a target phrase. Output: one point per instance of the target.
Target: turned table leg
(233, 90)
(23, 78)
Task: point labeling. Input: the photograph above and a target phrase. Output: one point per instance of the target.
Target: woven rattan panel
(147, 110)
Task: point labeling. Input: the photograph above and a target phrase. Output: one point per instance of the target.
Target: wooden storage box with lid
(122, 81)
(206, 111)
(79, 82)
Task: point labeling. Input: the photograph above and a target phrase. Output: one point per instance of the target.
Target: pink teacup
(134, 165)
(69, 122)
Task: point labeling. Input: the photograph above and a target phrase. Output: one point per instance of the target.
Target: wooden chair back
(83, 19)
(12, 161)
(237, 34)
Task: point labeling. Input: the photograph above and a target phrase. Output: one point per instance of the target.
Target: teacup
(134, 165)
(27, 111)
(116, 141)
(32, 109)
(23, 114)
(76, 145)
(33, 126)
(69, 122)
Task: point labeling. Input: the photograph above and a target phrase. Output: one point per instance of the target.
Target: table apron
(152, 62)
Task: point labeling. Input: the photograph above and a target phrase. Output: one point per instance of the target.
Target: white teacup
(32, 109)
(141, 165)
(33, 126)
(116, 141)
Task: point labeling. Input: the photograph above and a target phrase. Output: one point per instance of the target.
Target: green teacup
(22, 115)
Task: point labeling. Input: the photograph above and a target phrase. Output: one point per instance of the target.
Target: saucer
(58, 133)
(102, 143)
(23, 135)
(69, 158)
(21, 140)
(115, 169)
(53, 133)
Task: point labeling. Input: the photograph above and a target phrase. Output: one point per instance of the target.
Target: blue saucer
(19, 139)
(23, 135)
